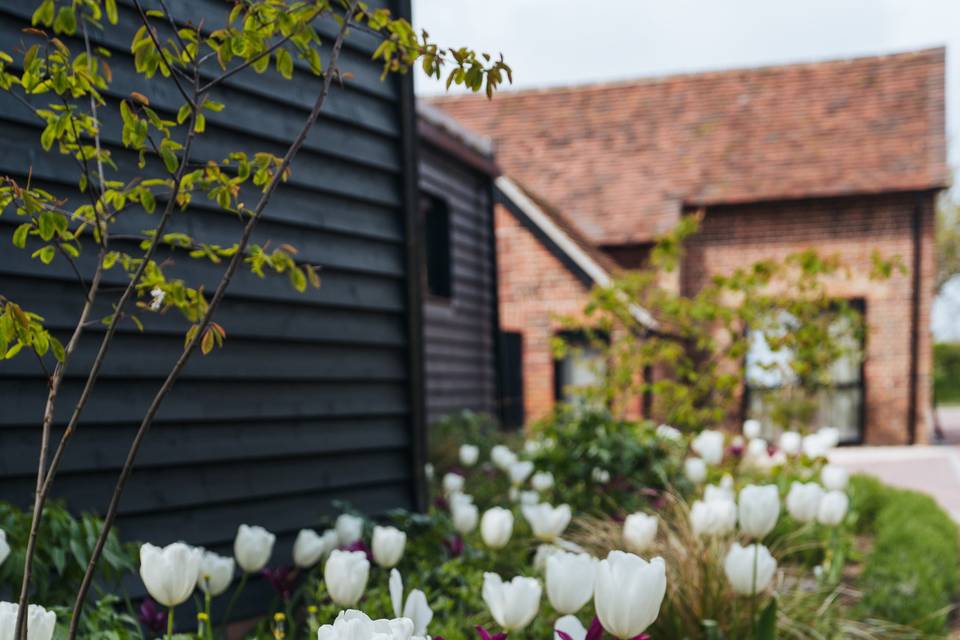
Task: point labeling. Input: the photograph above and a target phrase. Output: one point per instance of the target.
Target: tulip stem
(169, 623)
(753, 590)
(233, 600)
(209, 621)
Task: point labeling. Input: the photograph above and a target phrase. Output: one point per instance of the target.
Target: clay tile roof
(621, 159)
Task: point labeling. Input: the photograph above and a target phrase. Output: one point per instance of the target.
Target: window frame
(430, 203)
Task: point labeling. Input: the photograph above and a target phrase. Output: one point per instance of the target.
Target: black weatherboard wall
(312, 399)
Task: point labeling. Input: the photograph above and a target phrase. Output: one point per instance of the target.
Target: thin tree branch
(226, 74)
(163, 57)
(225, 280)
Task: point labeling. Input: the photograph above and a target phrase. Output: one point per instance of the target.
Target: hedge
(946, 372)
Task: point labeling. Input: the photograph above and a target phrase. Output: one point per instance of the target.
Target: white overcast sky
(558, 42)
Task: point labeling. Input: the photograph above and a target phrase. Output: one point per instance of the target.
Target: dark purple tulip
(454, 545)
(735, 450)
(486, 635)
(152, 616)
(282, 579)
(595, 632)
(359, 545)
(441, 503)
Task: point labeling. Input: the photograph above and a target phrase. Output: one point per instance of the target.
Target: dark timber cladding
(460, 326)
(311, 399)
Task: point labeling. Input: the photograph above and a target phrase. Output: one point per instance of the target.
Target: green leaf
(111, 8)
(20, 235)
(767, 625)
(284, 63)
(57, 347)
(169, 159)
(183, 113)
(66, 21)
(46, 254)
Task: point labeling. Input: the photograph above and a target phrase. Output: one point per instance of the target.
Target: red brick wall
(740, 235)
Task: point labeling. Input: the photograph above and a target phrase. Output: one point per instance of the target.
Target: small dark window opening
(511, 379)
(436, 243)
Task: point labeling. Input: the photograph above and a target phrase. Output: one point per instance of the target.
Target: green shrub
(912, 572)
(946, 372)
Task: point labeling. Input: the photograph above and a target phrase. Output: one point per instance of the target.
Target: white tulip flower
(170, 573)
(387, 546)
(629, 592)
(496, 527)
(834, 477)
(816, 445)
(713, 518)
(757, 448)
(759, 509)
(309, 547)
(830, 436)
(709, 446)
(542, 481)
(4, 546)
(695, 470)
(570, 580)
(833, 508)
(469, 454)
(416, 607)
(252, 547)
(528, 498)
(666, 432)
(349, 529)
(40, 622)
(571, 626)
(356, 625)
(345, 575)
(713, 492)
(752, 429)
(519, 472)
(428, 471)
(639, 532)
(749, 569)
(452, 483)
(216, 573)
(544, 552)
(803, 501)
(512, 604)
(502, 457)
(790, 442)
(546, 521)
(600, 476)
(465, 517)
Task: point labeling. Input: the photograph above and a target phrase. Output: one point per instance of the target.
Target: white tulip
(759, 509)
(570, 580)
(252, 547)
(749, 569)
(502, 457)
(713, 518)
(571, 626)
(834, 477)
(349, 529)
(790, 442)
(709, 445)
(310, 546)
(833, 508)
(547, 521)
(713, 492)
(216, 573)
(469, 454)
(803, 501)
(816, 445)
(416, 608)
(752, 429)
(452, 483)
(387, 545)
(496, 527)
(544, 552)
(542, 481)
(356, 625)
(465, 517)
(639, 532)
(757, 448)
(528, 498)
(170, 573)
(695, 470)
(666, 432)
(533, 446)
(4, 546)
(600, 476)
(830, 436)
(40, 622)
(520, 471)
(428, 471)
(629, 593)
(512, 604)
(345, 574)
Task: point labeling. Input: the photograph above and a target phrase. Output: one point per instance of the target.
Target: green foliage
(19, 329)
(913, 571)
(946, 372)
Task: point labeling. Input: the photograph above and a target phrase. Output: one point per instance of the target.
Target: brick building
(845, 156)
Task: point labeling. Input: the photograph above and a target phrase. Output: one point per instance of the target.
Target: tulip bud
(749, 569)
(546, 521)
(428, 471)
(834, 477)
(713, 518)
(570, 580)
(170, 573)
(759, 509)
(528, 498)
(695, 470)
(310, 546)
(512, 604)
(216, 573)
(571, 627)
(4, 546)
(452, 483)
(356, 625)
(751, 429)
(40, 622)
(816, 445)
(713, 492)
(416, 608)
(666, 432)
(629, 592)
(502, 457)
(496, 527)
(469, 454)
(349, 529)
(519, 472)
(833, 508)
(345, 575)
(252, 547)
(388, 545)
(709, 446)
(542, 481)
(790, 442)
(544, 552)
(803, 501)
(830, 436)
(639, 532)
(465, 517)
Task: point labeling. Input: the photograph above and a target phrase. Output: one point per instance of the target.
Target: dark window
(770, 384)
(511, 379)
(580, 371)
(436, 243)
